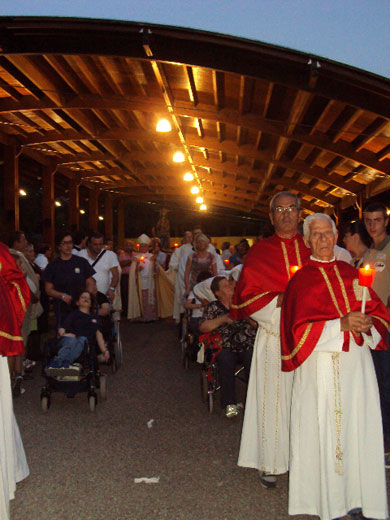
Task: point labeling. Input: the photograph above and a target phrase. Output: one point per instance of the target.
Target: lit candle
(137, 246)
(366, 277)
(226, 261)
(294, 269)
(175, 245)
(142, 258)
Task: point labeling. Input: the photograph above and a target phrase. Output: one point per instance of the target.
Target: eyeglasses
(66, 242)
(287, 209)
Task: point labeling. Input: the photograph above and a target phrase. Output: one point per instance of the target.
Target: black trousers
(124, 293)
(382, 368)
(227, 361)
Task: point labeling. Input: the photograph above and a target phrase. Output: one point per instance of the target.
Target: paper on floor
(147, 480)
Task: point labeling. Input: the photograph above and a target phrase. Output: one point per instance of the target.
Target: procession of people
(311, 332)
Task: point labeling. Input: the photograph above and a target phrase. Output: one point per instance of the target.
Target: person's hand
(106, 355)
(356, 322)
(111, 295)
(227, 319)
(279, 301)
(67, 299)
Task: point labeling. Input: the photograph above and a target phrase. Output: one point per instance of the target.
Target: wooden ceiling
(250, 118)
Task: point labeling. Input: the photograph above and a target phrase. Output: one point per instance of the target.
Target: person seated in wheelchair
(236, 340)
(195, 304)
(78, 327)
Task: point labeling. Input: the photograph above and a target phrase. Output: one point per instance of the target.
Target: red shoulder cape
(14, 300)
(266, 273)
(317, 293)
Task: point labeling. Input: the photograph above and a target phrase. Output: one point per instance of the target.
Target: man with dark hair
(378, 257)
(79, 241)
(104, 262)
(66, 277)
(259, 294)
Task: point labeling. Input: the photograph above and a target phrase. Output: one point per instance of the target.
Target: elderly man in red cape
(337, 461)
(14, 300)
(259, 292)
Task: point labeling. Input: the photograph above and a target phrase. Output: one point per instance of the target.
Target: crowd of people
(290, 309)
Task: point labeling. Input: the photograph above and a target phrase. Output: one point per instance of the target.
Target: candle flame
(367, 267)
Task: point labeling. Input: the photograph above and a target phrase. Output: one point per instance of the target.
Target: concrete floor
(83, 464)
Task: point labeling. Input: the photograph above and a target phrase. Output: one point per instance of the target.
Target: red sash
(266, 272)
(317, 293)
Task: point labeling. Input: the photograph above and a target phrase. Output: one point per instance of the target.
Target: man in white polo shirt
(104, 262)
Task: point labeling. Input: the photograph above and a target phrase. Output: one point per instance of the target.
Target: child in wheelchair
(79, 327)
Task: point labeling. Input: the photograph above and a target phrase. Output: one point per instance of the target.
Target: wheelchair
(189, 341)
(209, 378)
(89, 379)
(112, 337)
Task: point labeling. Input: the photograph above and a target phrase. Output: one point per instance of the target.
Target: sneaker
(17, 386)
(231, 411)
(62, 371)
(267, 480)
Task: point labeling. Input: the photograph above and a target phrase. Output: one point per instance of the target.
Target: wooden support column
(121, 221)
(108, 217)
(48, 172)
(74, 204)
(11, 187)
(93, 208)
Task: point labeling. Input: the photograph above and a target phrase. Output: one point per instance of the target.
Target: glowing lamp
(82, 211)
(163, 125)
(188, 177)
(142, 258)
(199, 200)
(194, 190)
(22, 192)
(294, 269)
(137, 246)
(178, 157)
(203, 207)
(58, 203)
(366, 277)
(175, 244)
(100, 217)
(226, 261)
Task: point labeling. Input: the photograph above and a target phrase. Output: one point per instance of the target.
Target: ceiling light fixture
(163, 125)
(22, 192)
(194, 190)
(100, 217)
(188, 176)
(178, 157)
(82, 211)
(199, 200)
(58, 203)
(203, 207)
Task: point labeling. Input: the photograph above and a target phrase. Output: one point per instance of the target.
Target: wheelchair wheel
(45, 403)
(184, 353)
(203, 385)
(114, 366)
(92, 400)
(103, 386)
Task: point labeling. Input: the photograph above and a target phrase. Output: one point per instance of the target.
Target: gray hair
(272, 204)
(316, 216)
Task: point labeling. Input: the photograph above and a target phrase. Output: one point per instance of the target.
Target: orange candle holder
(294, 269)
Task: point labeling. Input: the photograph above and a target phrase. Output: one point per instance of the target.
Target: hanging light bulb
(58, 203)
(203, 207)
(194, 190)
(178, 157)
(199, 200)
(100, 217)
(82, 211)
(163, 125)
(23, 192)
(188, 176)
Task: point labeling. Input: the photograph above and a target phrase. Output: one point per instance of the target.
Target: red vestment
(14, 300)
(266, 272)
(319, 292)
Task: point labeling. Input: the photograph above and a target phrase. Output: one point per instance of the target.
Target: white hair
(316, 216)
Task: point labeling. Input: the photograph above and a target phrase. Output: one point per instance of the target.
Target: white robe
(265, 432)
(316, 485)
(13, 464)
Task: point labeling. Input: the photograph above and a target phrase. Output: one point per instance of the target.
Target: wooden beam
(48, 172)
(108, 217)
(218, 89)
(93, 208)
(11, 187)
(74, 202)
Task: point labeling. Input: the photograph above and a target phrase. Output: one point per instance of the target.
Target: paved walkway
(83, 465)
